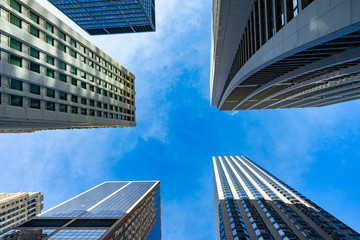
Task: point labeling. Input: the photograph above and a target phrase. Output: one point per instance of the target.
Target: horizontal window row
(35, 67)
(17, 45)
(86, 55)
(18, 101)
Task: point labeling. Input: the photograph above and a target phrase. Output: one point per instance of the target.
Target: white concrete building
(16, 208)
(53, 78)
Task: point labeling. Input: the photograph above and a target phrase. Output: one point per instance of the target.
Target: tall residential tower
(53, 78)
(269, 54)
(111, 210)
(251, 203)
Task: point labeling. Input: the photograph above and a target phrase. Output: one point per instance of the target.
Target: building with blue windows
(110, 17)
(251, 203)
(111, 210)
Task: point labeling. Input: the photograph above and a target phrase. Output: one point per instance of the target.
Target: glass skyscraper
(109, 17)
(251, 203)
(111, 210)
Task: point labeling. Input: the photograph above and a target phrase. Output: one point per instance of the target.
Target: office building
(251, 203)
(53, 78)
(16, 208)
(270, 54)
(109, 17)
(111, 210)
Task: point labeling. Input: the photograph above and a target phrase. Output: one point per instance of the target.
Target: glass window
(74, 81)
(98, 90)
(34, 53)
(62, 77)
(83, 111)
(82, 49)
(15, 20)
(74, 110)
(73, 53)
(34, 67)
(63, 96)
(62, 35)
(105, 93)
(73, 43)
(62, 65)
(91, 88)
(50, 73)
(73, 70)
(15, 44)
(98, 114)
(15, 60)
(50, 60)
(62, 47)
(35, 103)
(35, 89)
(98, 104)
(83, 75)
(105, 106)
(92, 103)
(49, 40)
(63, 108)
(92, 112)
(83, 101)
(15, 5)
(83, 85)
(74, 99)
(50, 106)
(91, 78)
(16, 101)
(34, 31)
(49, 27)
(82, 59)
(16, 85)
(50, 93)
(33, 16)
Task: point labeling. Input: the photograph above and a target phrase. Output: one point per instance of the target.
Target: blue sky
(316, 151)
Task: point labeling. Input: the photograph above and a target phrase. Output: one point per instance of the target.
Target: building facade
(109, 211)
(16, 208)
(251, 203)
(110, 17)
(269, 54)
(53, 78)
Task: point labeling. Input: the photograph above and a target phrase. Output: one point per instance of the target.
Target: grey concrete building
(268, 54)
(17, 208)
(53, 78)
(251, 203)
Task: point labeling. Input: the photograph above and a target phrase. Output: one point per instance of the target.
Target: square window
(73, 53)
(62, 47)
(92, 103)
(111, 107)
(105, 106)
(34, 31)
(33, 16)
(16, 101)
(35, 89)
(82, 49)
(16, 85)
(105, 93)
(15, 60)
(63, 96)
(62, 65)
(50, 106)
(62, 77)
(15, 5)
(98, 114)
(34, 67)
(74, 110)
(74, 99)
(83, 111)
(83, 85)
(50, 60)
(50, 73)
(15, 44)
(49, 27)
(34, 53)
(98, 90)
(74, 81)
(73, 43)
(62, 35)
(98, 104)
(49, 40)
(63, 108)
(83, 75)
(73, 70)
(35, 103)
(91, 88)
(50, 92)
(83, 101)
(110, 115)
(92, 112)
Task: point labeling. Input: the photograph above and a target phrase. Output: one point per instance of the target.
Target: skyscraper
(16, 208)
(111, 210)
(269, 54)
(53, 78)
(109, 17)
(251, 203)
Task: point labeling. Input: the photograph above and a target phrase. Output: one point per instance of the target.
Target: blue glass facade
(109, 17)
(111, 210)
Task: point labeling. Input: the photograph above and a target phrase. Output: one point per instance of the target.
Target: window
(83, 85)
(74, 81)
(34, 67)
(83, 101)
(16, 85)
(74, 99)
(73, 43)
(62, 47)
(50, 106)
(98, 81)
(74, 110)
(82, 49)
(50, 93)
(62, 65)
(62, 77)
(110, 115)
(15, 44)
(16, 101)
(15, 20)
(34, 53)
(49, 40)
(91, 54)
(105, 93)
(91, 78)
(82, 59)
(50, 60)
(98, 104)
(49, 27)
(62, 35)
(34, 31)
(98, 114)
(105, 106)
(35, 103)
(98, 90)
(91, 88)
(91, 103)
(63, 108)
(33, 16)
(97, 59)
(111, 107)
(73, 53)
(73, 70)
(83, 111)
(35, 89)
(50, 73)
(15, 60)
(83, 75)
(63, 96)
(15, 5)
(92, 112)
